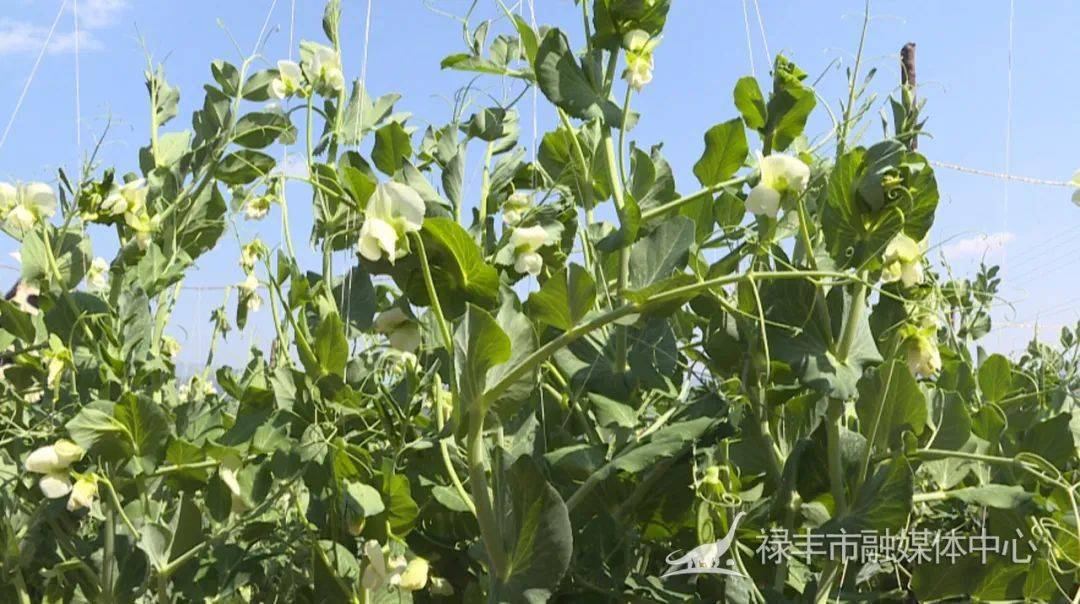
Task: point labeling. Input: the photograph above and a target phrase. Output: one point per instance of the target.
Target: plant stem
(835, 416)
(448, 342)
(671, 206)
(624, 251)
(854, 319)
(485, 189)
(842, 133)
(485, 515)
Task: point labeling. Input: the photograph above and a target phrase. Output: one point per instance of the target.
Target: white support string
(749, 43)
(761, 27)
(1001, 175)
(346, 290)
(33, 73)
(535, 101)
(1008, 130)
(78, 96)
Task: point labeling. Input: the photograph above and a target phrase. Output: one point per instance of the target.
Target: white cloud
(99, 14)
(976, 247)
(18, 36)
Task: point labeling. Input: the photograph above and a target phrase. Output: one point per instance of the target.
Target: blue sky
(963, 58)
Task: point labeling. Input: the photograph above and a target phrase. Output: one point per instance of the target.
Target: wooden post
(907, 80)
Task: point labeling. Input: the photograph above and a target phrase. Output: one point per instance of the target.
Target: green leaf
(659, 254)
(71, 249)
(392, 147)
(750, 102)
(564, 298)
(890, 401)
(261, 129)
(725, 152)
(93, 424)
(953, 422)
(243, 167)
(882, 503)
(458, 267)
(479, 345)
(1052, 440)
(799, 336)
(995, 377)
(148, 427)
(519, 329)
(539, 534)
(366, 499)
(1001, 496)
(331, 347)
(402, 510)
(566, 84)
(356, 298)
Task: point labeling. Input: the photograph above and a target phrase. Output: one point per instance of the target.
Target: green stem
(485, 189)
(854, 318)
(485, 515)
(448, 342)
(624, 251)
(836, 470)
(108, 554)
(671, 206)
(845, 125)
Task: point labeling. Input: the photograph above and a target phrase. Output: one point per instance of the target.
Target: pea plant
(550, 389)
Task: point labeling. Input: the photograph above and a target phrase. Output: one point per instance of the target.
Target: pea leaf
(331, 347)
(392, 147)
(725, 152)
(564, 298)
(479, 345)
(890, 400)
(567, 85)
(458, 266)
(539, 533)
(244, 166)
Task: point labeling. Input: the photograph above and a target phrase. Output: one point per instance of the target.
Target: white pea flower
(289, 81)
(639, 58)
(56, 485)
(415, 575)
(779, 174)
(53, 461)
(34, 202)
(515, 207)
(381, 572)
(256, 208)
(82, 494)
(403, 332)
(54, 458)
(97, 275)
(903, 261)
(394, 211)
(525, 243)
(923, 357)
(249, 293)
(25, 297)
(322, 65)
